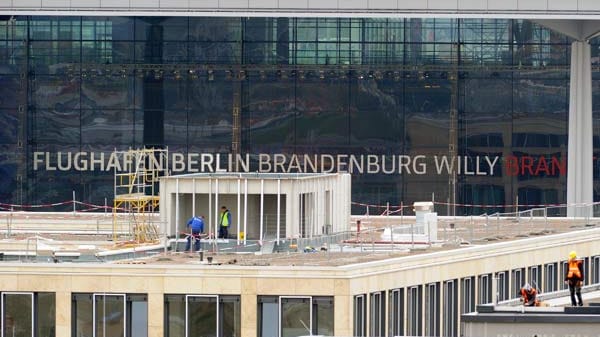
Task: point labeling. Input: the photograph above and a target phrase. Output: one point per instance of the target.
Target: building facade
(458, 110)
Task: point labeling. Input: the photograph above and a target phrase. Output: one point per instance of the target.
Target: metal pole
(245, 208)
(262, 206)
(278, 209)
(239, 187)
(210, 209)
(74, 206)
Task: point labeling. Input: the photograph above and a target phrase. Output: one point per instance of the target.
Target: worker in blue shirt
(196, 224)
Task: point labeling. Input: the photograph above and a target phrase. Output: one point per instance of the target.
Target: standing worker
(224, 222)
(574, 278)
(196, 224)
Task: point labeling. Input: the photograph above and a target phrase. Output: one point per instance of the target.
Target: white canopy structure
(262, 205)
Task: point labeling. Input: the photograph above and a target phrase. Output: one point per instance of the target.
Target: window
(202, 315)
(360, 314)
(450, 320)
(502, 286)
(485, 289)
(396, 313)
(414, 306)
(595, 277)
(518, 280)
(550, 277)
(468, 295)
(564, 267)
(294, 316)
(27, 314)
(432, 309)
(377, 314)
(535, 277)
(101, 314)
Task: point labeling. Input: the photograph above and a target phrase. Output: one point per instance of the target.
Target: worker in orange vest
(574, 278)
(529, 296)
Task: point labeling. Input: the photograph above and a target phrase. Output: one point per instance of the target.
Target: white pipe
(216, 207)
(209, 207)
(193, 197)
(245, 208)
(262, 203)
(176, 209)
(278, 209)
(238, 212)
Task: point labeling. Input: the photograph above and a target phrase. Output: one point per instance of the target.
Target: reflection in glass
(322, 316)
(17, 320)
(82, 309)
(229, 316)
(295, 317)
(202, 316)
(110, 315)
(46, 314)
(175, 312)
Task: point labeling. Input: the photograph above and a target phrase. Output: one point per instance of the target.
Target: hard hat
(572, 254)
(527, 286)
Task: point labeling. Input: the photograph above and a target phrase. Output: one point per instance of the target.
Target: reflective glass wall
(467, 111)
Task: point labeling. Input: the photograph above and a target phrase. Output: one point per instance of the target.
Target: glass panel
(110, 315)
(323, 318)
(138, 326)
(229, 316)
(268, 319)
(83, 315)
(202, 316)
(175, 311)
(46, 314)
(17, 319)
(295, 317)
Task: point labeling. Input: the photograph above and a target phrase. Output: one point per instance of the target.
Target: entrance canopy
(263, 206)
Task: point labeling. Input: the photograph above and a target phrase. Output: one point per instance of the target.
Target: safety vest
(574, 269)
(224, 219)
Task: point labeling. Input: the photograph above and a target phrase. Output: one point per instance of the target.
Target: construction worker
(574, 278)
(224, 222)
(529, 296)
(196, 225)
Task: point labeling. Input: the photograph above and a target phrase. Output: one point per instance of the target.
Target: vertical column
(248, 303)
(344, 313)
(63, 313)
(156, 316)
(579, 171)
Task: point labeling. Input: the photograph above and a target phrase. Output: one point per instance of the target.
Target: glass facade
(398, 95)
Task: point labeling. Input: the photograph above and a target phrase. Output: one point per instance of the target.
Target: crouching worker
(196, 225)
(529, 296)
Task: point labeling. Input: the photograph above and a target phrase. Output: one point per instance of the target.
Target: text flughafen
(305, 163)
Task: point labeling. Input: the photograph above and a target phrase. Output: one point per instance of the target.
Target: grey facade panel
(174, 3)
(291, 4)
(537, 5)
(262, 3)
(204, 3)
(56, 3)
(328, 4)
(503, 5)
(561, 5)
(410, 4)
(115, 3)
(27, 3)
(85, 3)
(148, 3)
(589, 5)
(472, 4)
(362, 4)
(442, 4)
(5, 3)
(383, 4)
(233, 3)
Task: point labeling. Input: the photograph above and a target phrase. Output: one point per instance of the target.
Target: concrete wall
(341, 282)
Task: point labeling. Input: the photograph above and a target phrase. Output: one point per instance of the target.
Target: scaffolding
(136, 193)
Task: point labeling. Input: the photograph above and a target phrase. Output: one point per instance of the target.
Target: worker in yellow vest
(224, 222)
(574, 278)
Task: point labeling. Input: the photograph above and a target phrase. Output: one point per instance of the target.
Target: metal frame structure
(136, 192)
